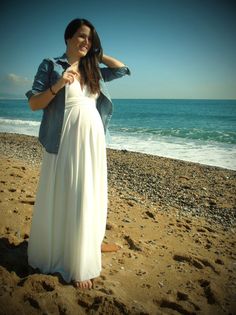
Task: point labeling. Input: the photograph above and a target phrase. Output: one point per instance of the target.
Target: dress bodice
(75, 95)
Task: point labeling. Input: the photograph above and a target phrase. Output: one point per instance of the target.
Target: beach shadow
(14, 257)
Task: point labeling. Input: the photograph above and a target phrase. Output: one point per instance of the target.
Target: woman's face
(81, 41)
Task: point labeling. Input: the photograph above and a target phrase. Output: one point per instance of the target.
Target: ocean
(202, 131)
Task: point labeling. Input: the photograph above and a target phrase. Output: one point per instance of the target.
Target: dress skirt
(70, 210)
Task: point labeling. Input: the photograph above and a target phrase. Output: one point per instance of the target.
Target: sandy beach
(174, 222)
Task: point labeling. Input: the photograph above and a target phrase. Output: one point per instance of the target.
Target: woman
(70, 211)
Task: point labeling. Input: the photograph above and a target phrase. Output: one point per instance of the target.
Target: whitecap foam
(15, 122)
(203, 152)
(27, 127)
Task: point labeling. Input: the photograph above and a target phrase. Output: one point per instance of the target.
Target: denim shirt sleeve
(41, 79)
(109, 74)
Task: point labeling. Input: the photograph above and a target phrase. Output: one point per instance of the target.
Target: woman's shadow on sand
(14, 258)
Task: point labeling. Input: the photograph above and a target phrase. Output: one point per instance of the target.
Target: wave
(168, 143)
(26, 127)
(18, 122)
(203, 152)
(151, 134)
(185, 133)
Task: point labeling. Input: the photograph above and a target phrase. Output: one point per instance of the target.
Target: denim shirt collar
(62, 58)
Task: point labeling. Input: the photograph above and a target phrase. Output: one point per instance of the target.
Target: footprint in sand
(106, 291)
(209, 291)
(164, 303)
(98, 304)
(197, 262)
(38, 286)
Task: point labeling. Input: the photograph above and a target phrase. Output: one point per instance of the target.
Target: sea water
(202, 131)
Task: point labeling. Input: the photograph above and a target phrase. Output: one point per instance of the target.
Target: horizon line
(143, 98)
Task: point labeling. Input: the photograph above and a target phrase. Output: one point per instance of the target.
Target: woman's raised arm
(111, 62)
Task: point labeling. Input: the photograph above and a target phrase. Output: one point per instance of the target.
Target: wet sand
(174, 222)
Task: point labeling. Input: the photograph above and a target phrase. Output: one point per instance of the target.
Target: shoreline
(174, 222)
(198, 154)
(10, 138)
(187, 187)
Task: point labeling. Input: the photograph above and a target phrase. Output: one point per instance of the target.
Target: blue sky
(174, 48)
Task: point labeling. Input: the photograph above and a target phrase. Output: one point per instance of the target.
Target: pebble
(127, 220)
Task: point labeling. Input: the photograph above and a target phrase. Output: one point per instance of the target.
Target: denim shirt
(49, 72)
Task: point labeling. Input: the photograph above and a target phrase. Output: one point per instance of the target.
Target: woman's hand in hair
(111, 62)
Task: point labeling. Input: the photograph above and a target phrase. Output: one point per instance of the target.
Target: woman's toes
(87, 284)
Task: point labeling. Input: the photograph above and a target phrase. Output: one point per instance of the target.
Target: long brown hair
(88, 65)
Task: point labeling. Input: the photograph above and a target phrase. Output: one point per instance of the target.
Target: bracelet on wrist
(53, 93)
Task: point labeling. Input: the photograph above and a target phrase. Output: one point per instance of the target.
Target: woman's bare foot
(87, 284)
(109, 248)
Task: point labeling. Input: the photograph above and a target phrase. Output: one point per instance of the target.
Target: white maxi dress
(70, 210)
